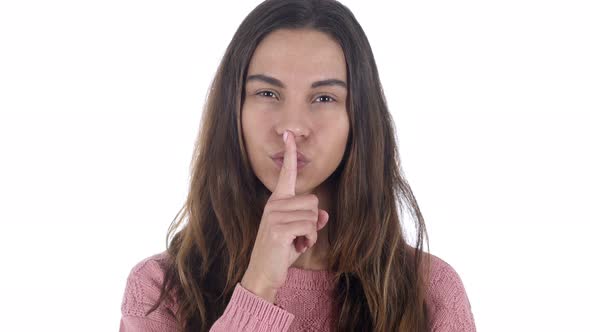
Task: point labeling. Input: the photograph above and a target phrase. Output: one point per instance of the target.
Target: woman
(293, 219)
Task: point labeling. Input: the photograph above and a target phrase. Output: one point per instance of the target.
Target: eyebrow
(276, 82)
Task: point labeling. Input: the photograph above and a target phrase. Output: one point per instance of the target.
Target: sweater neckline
(308, 279)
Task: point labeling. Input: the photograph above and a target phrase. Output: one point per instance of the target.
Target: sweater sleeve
(450, 309)
(245, 311)
(250, 313)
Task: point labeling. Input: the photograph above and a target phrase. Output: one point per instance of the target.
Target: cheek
(333, 143)
(246, 119)
(250, 126)
(334, 131)
(254, 128)
(248, 131)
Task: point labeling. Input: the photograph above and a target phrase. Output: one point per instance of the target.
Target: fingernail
(285, 136)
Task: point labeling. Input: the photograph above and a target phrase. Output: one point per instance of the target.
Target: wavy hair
(381, 282)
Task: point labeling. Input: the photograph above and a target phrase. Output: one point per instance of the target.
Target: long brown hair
(380, 281)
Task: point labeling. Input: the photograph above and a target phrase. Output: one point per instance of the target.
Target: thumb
(322, 219)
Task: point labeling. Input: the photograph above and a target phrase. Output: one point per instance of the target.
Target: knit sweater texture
(303, 303)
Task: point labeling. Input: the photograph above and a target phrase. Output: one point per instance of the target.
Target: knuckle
(312, 226)
(314, 199)
(275, 234)
(270, 205)
(274, 216)
(312, 215)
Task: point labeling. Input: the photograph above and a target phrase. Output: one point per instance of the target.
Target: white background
(100, 104)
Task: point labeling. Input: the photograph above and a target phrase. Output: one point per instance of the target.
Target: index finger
(288, 175)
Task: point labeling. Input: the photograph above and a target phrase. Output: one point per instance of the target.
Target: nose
(294, 119)
(296, 131)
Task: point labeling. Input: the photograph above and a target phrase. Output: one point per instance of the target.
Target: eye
(324, 96)
(265, 92)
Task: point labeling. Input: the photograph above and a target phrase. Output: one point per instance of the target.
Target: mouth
(300, 163)
(300, 156)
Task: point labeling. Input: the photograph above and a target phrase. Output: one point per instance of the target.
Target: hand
(289, 225)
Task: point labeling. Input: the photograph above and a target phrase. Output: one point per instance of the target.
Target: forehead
(298, 56)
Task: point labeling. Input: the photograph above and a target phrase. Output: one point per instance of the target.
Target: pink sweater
(302, 304)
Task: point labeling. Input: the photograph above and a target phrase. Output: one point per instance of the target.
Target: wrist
(260, 290)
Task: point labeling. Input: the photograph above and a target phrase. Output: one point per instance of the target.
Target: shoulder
(447, 298)
(143, 288)
(150, 270)
(445, 284)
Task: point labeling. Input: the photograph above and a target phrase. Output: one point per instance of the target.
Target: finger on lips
(288, 175)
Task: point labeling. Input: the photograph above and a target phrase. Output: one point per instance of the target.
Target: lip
(279, 163)
(300, 156)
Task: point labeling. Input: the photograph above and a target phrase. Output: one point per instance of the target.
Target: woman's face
(281, 94)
